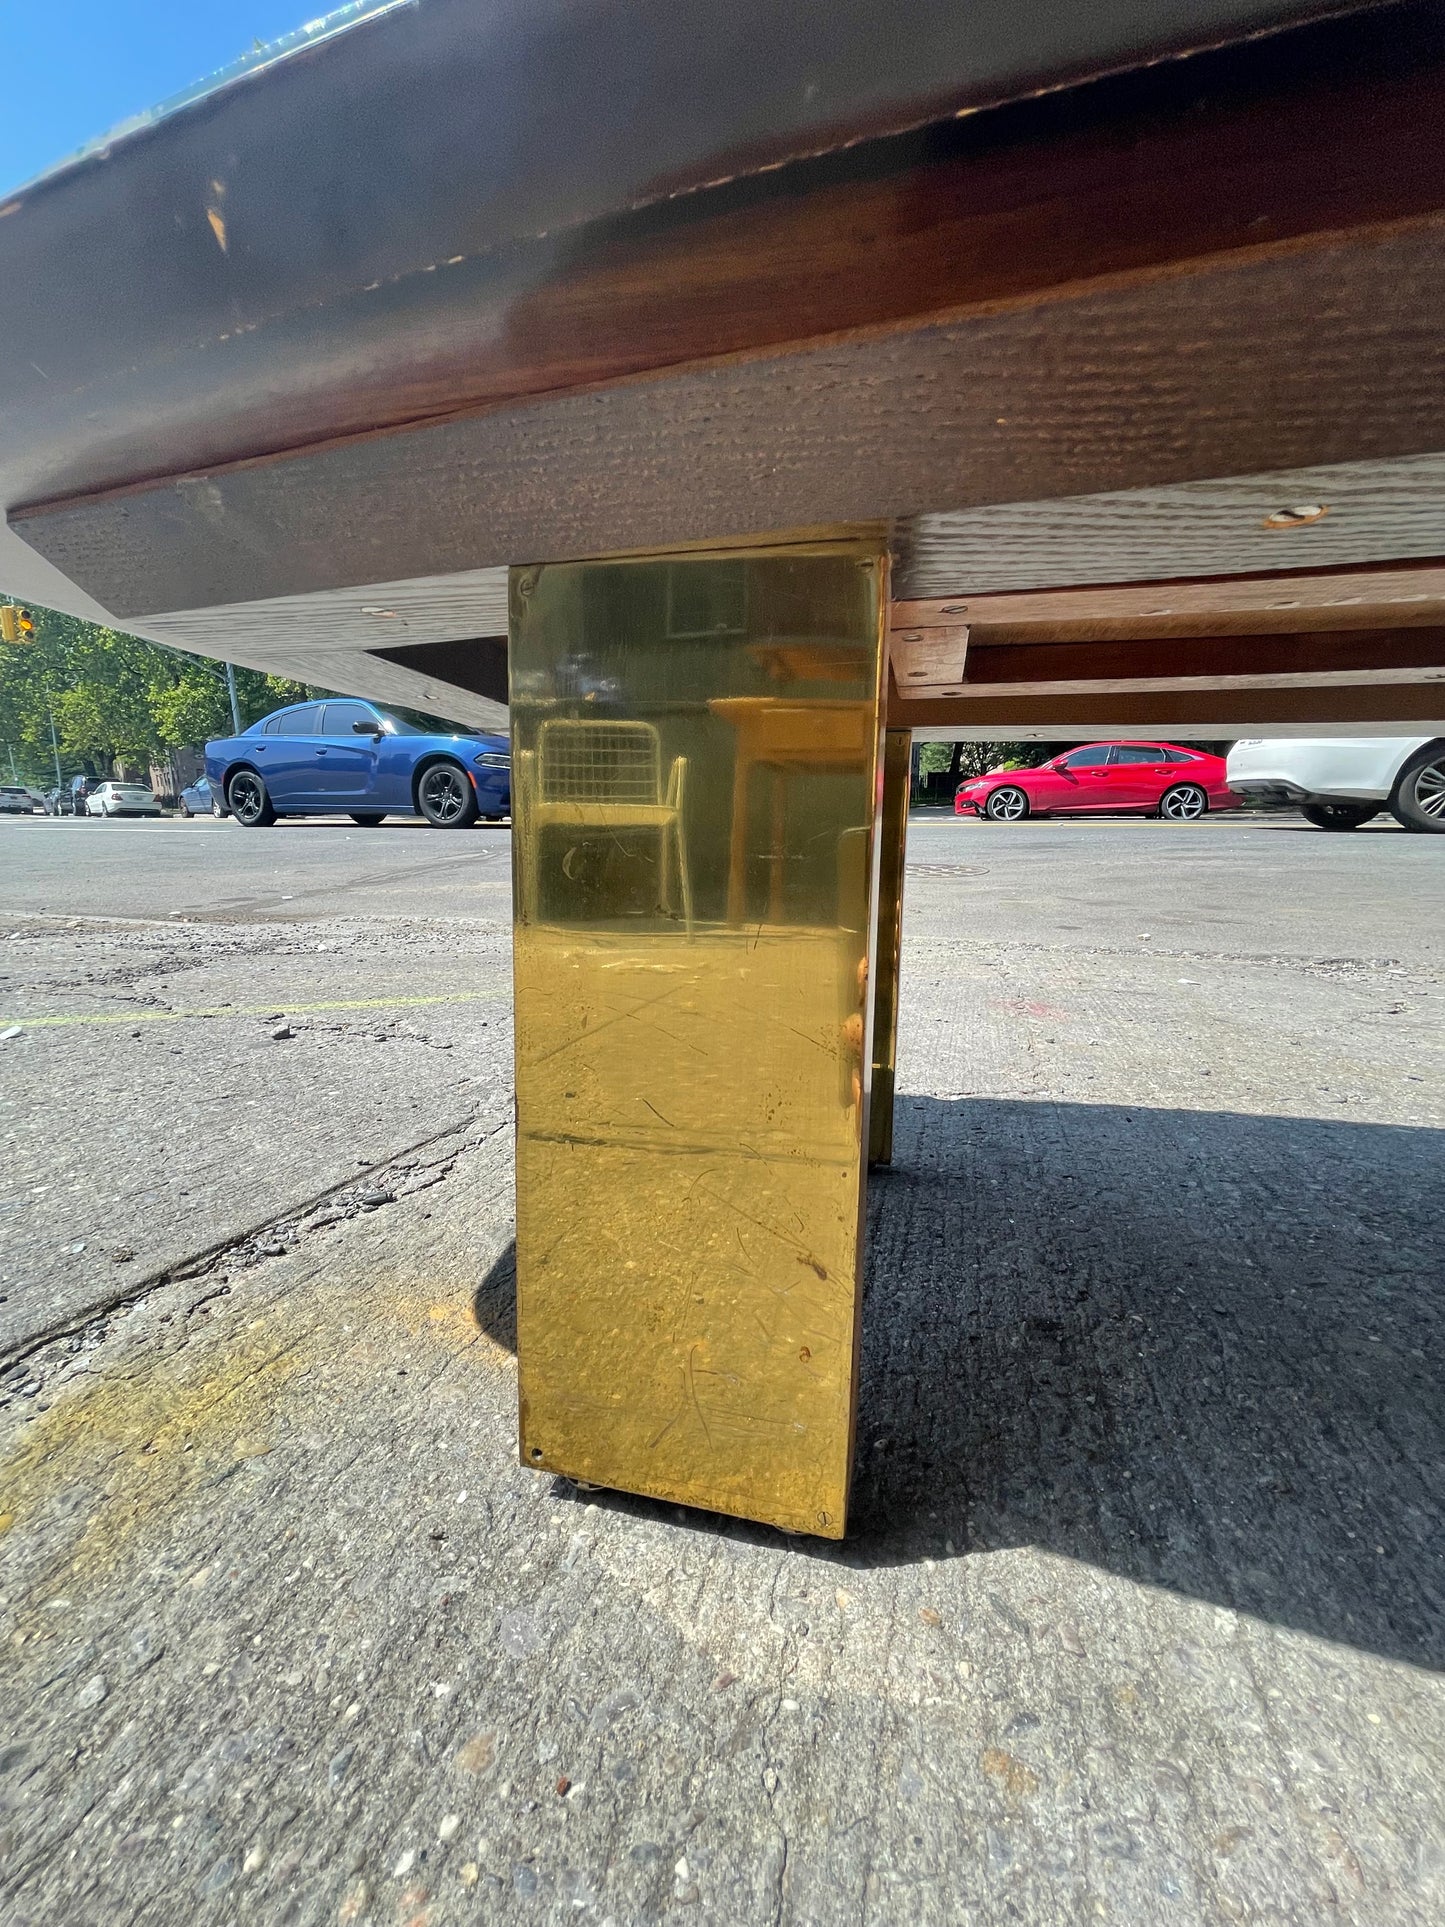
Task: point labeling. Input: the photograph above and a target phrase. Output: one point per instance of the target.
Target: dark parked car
(348, 758)
(199, 799)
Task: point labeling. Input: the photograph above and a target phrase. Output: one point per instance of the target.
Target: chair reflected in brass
(603, 775)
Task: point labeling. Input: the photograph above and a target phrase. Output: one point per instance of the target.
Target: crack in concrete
(200, 1263)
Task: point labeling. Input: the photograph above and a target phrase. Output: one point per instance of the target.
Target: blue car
(349, 758)
(197, 799)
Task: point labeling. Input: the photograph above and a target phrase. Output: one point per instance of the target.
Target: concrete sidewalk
(1140, 1619)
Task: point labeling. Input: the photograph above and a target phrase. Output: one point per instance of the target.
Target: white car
(16, 800)
(1339, 782)
(122, 799)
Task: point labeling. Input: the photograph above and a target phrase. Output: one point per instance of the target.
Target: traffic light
(16, 624)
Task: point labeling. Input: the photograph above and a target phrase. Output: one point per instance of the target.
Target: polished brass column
(695, 789)
(892, 838)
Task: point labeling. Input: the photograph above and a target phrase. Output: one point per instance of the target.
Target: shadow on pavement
(1200, 1350)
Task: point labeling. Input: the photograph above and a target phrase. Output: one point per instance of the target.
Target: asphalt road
(1141, 1616)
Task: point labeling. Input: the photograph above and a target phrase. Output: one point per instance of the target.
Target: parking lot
(1141, 1616)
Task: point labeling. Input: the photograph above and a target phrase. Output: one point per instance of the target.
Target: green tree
(961, 760)
(117, 699)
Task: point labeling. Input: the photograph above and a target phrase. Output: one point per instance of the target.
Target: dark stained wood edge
(1232, 366)
(1325, 128)
(1230, 709)
(1323, 652)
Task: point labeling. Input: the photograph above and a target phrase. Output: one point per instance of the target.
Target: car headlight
(494, 759)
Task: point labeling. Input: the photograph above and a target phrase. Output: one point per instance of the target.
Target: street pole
(14, 775)
(231, 692)
(54, 746)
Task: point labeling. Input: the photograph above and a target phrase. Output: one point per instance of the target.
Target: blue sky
(73, 68)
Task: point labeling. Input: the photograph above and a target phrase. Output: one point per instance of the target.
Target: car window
(337, 718)
(296, 722)
(1092, 758)
(1138, 753)
(1176, 756)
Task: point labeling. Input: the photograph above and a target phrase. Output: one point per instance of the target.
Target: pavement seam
(196, 1264)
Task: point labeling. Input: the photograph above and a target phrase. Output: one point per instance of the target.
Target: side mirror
(367, 729)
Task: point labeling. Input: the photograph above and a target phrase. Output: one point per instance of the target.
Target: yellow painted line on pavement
(255, 1010)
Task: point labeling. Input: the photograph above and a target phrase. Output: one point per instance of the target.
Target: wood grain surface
(1393, 509)
(1246, 363)
(1389, 596)
(387, 296)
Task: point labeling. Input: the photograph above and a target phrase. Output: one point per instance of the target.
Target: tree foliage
(115, 699)
(961, 760)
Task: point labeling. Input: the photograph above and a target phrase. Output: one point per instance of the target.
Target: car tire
(1185, 803)
(1007, 804)
(368, 819)
(248, 800)
(1338, 816)
(445, 797)
(185, 812)
(216, 809)
(1419, 799)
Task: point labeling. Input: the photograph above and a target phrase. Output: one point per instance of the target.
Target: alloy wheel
(1184, 805)
(1007, 805)
(444, 793)
(248, 798)
(1430, 790)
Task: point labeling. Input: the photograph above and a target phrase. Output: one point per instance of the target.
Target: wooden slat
(925, 662)
(1227, 368)
(1205, 710)
(1390, 595)
(1187, 531)
(425, 307)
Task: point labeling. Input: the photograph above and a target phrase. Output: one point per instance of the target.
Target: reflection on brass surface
(694, 853)
(892, 837)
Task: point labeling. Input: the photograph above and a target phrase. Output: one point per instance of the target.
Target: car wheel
(216, 809)
(1338, 816)
(1006, 805)
(445, 797)
(186, 812)
(368, 819)
(1419, 799)
(249, 803)
(1185, 803)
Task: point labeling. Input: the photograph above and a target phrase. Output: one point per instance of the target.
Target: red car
(1155, 779)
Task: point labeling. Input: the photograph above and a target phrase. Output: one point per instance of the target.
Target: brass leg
(892, 835)
(690, 1103)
